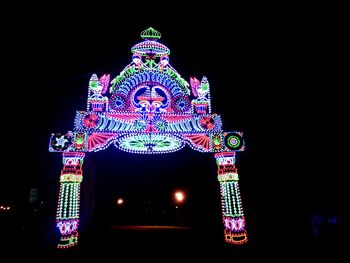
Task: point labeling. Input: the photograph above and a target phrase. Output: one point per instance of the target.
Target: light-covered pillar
(67, 216)
(232, 210)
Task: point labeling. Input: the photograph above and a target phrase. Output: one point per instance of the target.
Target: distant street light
(179, 196)
(120, 201)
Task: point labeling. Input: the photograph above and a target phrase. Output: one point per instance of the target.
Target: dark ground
(105, 236)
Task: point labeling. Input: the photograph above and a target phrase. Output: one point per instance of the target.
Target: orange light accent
(236, 238)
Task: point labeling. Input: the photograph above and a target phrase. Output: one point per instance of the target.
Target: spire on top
(150, 46)
(150, 34)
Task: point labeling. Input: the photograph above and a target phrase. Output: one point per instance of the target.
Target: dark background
(273, 73)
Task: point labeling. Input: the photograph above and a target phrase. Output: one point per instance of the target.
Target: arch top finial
(150, 34)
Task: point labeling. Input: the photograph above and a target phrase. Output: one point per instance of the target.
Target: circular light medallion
(118, 102)
(149, 143)
(233, 141)
(181, 104)
(91, 120)
(61, 142)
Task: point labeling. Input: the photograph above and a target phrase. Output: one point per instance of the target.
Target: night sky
(260, 65)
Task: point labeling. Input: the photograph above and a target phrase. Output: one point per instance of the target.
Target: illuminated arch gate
(147, 109)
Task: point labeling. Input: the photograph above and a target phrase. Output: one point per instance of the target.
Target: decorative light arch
(148, 109)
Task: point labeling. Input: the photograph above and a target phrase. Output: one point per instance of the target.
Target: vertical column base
(232, 211)
(67, 216)
(235, 238)
(68, 241)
